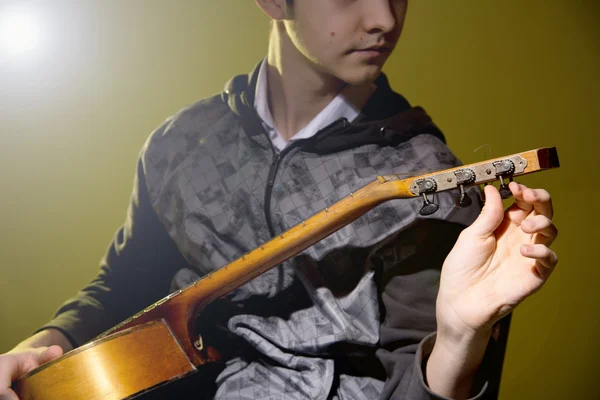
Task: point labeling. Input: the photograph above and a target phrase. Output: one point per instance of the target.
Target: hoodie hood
(386, 119)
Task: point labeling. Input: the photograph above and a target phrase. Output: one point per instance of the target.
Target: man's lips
(374, 48)
(372, 51)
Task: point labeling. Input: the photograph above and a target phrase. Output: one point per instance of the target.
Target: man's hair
(290, 4)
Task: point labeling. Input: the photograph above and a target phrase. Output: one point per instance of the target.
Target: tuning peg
(428, 207)
(464, 200)
(504, 167)
(505, 192)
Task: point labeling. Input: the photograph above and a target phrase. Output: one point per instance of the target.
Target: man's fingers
(8, 394)
(528, 200)
(50, 354)
(524, 208)
(541, 201)
(23, 362)
(542, 227)
(12, 366)
(15, 364)
(35, 358)
(546, 258)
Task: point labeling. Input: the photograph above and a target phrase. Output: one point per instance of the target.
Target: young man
(366, 313)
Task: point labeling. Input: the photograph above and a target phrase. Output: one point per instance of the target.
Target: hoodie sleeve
(135, 272)
(410, 282)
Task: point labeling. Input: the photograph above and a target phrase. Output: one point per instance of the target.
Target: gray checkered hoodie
(353, 316)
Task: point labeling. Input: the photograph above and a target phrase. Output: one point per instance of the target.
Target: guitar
(159, 345)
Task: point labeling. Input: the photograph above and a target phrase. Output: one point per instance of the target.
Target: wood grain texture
(115, 367)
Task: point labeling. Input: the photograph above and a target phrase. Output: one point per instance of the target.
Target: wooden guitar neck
(179, 307)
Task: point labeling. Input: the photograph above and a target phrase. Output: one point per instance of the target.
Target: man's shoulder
(195, 119)
(182, 135)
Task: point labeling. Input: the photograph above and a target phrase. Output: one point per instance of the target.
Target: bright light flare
(19, 32)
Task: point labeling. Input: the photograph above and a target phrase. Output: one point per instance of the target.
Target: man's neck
(297, 91)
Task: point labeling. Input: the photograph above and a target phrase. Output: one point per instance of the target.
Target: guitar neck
(298, 238)
(336, 216)
(269, 254)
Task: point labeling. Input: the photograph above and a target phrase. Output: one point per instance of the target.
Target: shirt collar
(338, 108)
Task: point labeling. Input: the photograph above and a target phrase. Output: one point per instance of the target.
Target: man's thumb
(491, 215)
(49, 354)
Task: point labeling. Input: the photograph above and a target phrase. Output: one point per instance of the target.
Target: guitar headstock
(498, 169)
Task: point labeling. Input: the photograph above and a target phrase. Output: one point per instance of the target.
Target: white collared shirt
(338, 108)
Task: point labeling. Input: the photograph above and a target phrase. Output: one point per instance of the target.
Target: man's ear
(275, 9)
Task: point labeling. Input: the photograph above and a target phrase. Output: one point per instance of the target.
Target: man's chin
(362, 75)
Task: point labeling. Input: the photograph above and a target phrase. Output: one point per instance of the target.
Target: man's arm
(409, 285)
(496, 263)
(136, 271)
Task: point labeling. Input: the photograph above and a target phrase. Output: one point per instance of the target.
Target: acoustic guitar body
(139, 362)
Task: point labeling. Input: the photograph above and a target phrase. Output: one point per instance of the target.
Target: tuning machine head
(428, 207)
(504, 169)
(423, 187)
(463, 177)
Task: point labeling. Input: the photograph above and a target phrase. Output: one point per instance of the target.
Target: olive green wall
(514, 74)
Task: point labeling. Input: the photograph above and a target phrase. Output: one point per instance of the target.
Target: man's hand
(32, 352)
(496, 263)
(18, 362)
(500, 260)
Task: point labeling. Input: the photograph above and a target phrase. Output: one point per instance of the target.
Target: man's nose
(379, 15)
